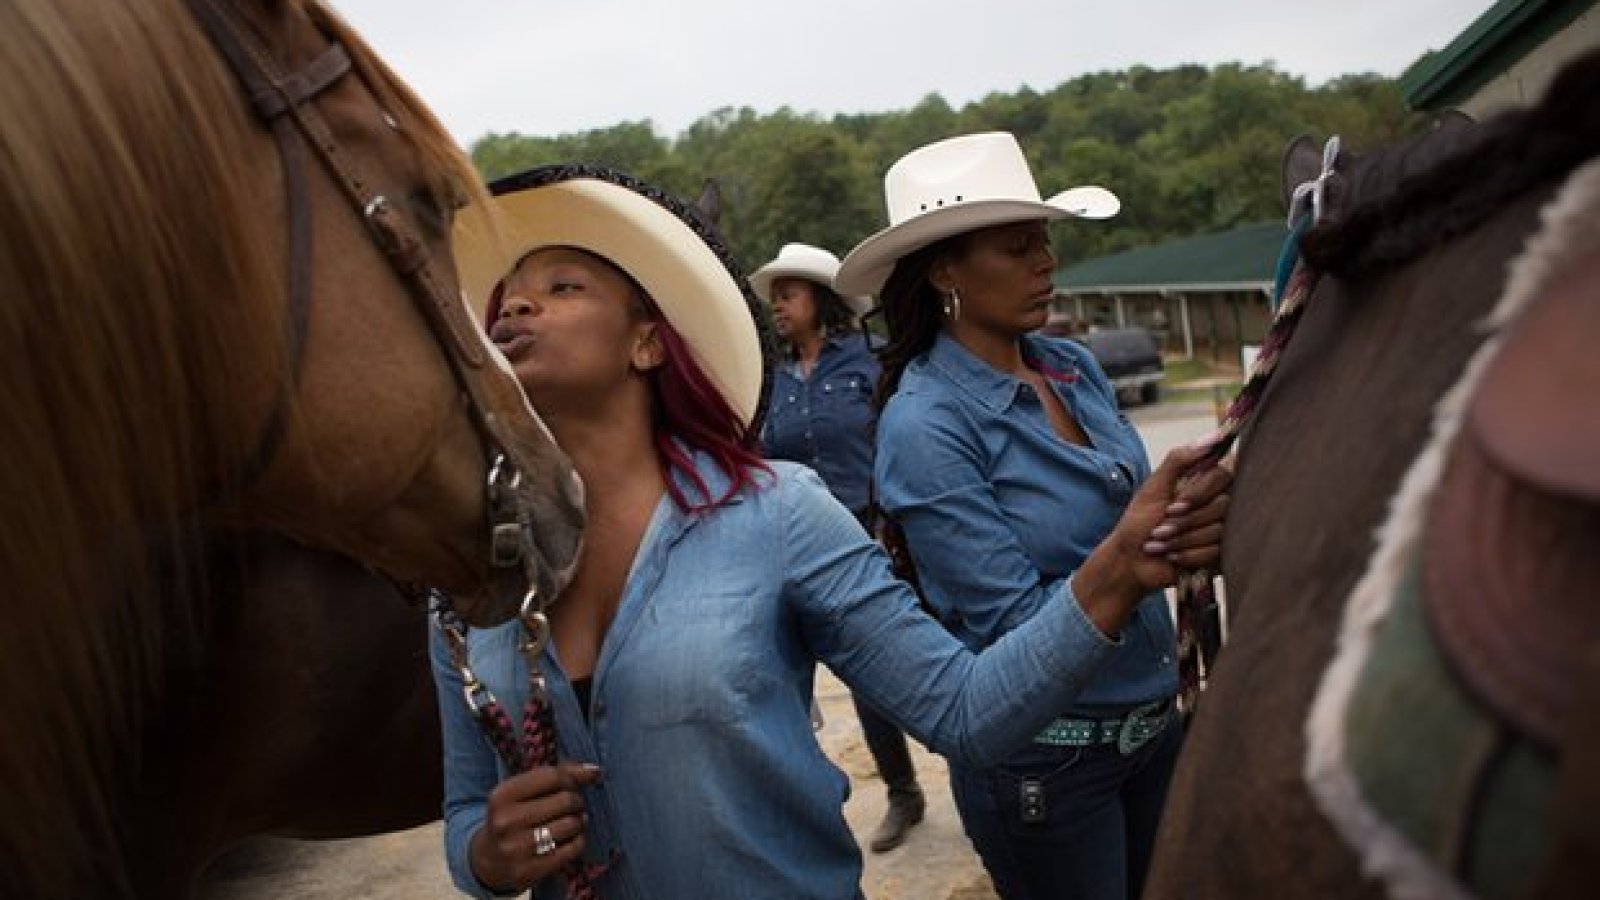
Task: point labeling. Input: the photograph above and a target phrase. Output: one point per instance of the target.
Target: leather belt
(1128, 733)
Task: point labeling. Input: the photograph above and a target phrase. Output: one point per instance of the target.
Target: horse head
(224, 227)
(389, 466)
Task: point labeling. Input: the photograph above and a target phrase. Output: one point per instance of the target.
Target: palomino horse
(1419, 721)
(225, 243)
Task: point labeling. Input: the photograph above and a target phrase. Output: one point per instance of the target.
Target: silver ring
(543, 840)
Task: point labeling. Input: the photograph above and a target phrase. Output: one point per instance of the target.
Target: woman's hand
(1164, 530)
(504, 852)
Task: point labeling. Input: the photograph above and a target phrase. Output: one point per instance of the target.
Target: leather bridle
(285, 102)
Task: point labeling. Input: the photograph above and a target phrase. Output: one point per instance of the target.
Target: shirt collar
(986, 384)
(716, 482)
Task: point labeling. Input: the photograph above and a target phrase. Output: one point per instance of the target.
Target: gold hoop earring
(952, 306)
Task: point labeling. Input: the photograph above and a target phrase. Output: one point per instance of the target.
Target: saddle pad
(1438, 766)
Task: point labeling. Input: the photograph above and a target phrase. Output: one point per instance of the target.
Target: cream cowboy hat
(808, 262)
(668, 248)
(953, 186)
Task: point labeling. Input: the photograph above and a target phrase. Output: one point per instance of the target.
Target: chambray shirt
(714, 785)
(825, 420)
(999, 511)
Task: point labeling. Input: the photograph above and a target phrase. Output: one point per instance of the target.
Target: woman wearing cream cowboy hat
(821, 415)
(1020, 489)
(680, 660)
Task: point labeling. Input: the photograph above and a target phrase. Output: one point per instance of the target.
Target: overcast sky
(541, 67)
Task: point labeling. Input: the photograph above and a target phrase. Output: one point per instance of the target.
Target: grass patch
(1224, 382)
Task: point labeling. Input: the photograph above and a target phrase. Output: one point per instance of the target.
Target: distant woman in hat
(821, 415)
(1002, 457)
(678, 668)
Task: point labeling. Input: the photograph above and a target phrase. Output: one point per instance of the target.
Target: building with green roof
(1505, 58)
(1207, 293)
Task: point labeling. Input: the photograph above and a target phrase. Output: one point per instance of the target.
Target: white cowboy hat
(679, 260)
(953, 186)
(808, 262)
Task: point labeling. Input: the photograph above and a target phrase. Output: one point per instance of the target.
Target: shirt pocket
(846, 400)
(702, 665)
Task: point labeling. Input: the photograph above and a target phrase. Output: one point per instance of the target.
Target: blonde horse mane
(130, 228)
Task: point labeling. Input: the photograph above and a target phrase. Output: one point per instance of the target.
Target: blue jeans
(889, 749)
(1098, 829)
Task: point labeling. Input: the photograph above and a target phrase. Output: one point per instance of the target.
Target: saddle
(1511, 561)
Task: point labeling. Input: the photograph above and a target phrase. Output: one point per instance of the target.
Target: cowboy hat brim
(869, 265)
(761, 281)
(697, 288)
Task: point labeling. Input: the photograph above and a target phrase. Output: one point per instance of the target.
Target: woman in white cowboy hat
(678, 670)
(1003, 459)
(821, 416)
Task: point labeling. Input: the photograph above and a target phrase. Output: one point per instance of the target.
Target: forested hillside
(1190, 150)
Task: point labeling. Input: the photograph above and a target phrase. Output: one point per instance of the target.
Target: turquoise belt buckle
(1140, 726)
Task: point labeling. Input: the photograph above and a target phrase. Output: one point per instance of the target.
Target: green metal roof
(1242, 259)
(1493, 43)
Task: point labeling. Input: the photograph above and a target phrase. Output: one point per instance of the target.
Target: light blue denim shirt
(998, 510)
(714, 785)
(825, 420)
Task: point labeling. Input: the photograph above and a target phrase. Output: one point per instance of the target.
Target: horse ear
(709, 203)
(1302, 162)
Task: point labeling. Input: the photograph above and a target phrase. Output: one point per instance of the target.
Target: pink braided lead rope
(537, 744)
(1199, 613)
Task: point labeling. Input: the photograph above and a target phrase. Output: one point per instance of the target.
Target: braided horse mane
(130, 237)
(1382, 213)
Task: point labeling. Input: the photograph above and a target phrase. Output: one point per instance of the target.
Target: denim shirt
(714, 785)
(825, 420)
(998, 509)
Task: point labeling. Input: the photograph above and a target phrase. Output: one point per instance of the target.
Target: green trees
(1188, 149)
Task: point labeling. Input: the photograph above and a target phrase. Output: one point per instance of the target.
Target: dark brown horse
(229, 303)
(1409, 684)
(306, 710)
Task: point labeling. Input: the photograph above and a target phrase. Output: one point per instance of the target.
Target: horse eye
(430, 212)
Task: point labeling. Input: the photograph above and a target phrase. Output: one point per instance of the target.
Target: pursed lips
(511, 336)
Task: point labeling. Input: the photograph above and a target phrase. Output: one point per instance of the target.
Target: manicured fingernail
(1178, 508)
(1155, 548)
(1164, 531)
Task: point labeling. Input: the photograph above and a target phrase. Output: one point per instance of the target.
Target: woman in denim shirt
(1002, 457)
(821, 415)
(681, 655)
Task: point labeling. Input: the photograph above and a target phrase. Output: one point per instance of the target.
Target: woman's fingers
(1173, 527)
(534, 825)
(1200, 489)
(565, 831)
(1195, 539)
(1205, 557)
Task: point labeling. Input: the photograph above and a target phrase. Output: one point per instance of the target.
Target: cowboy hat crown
(953, 186)
(798, 260)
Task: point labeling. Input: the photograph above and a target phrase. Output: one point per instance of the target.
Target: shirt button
(1115, 477)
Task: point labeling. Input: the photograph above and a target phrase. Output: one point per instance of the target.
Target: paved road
(935, 863)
